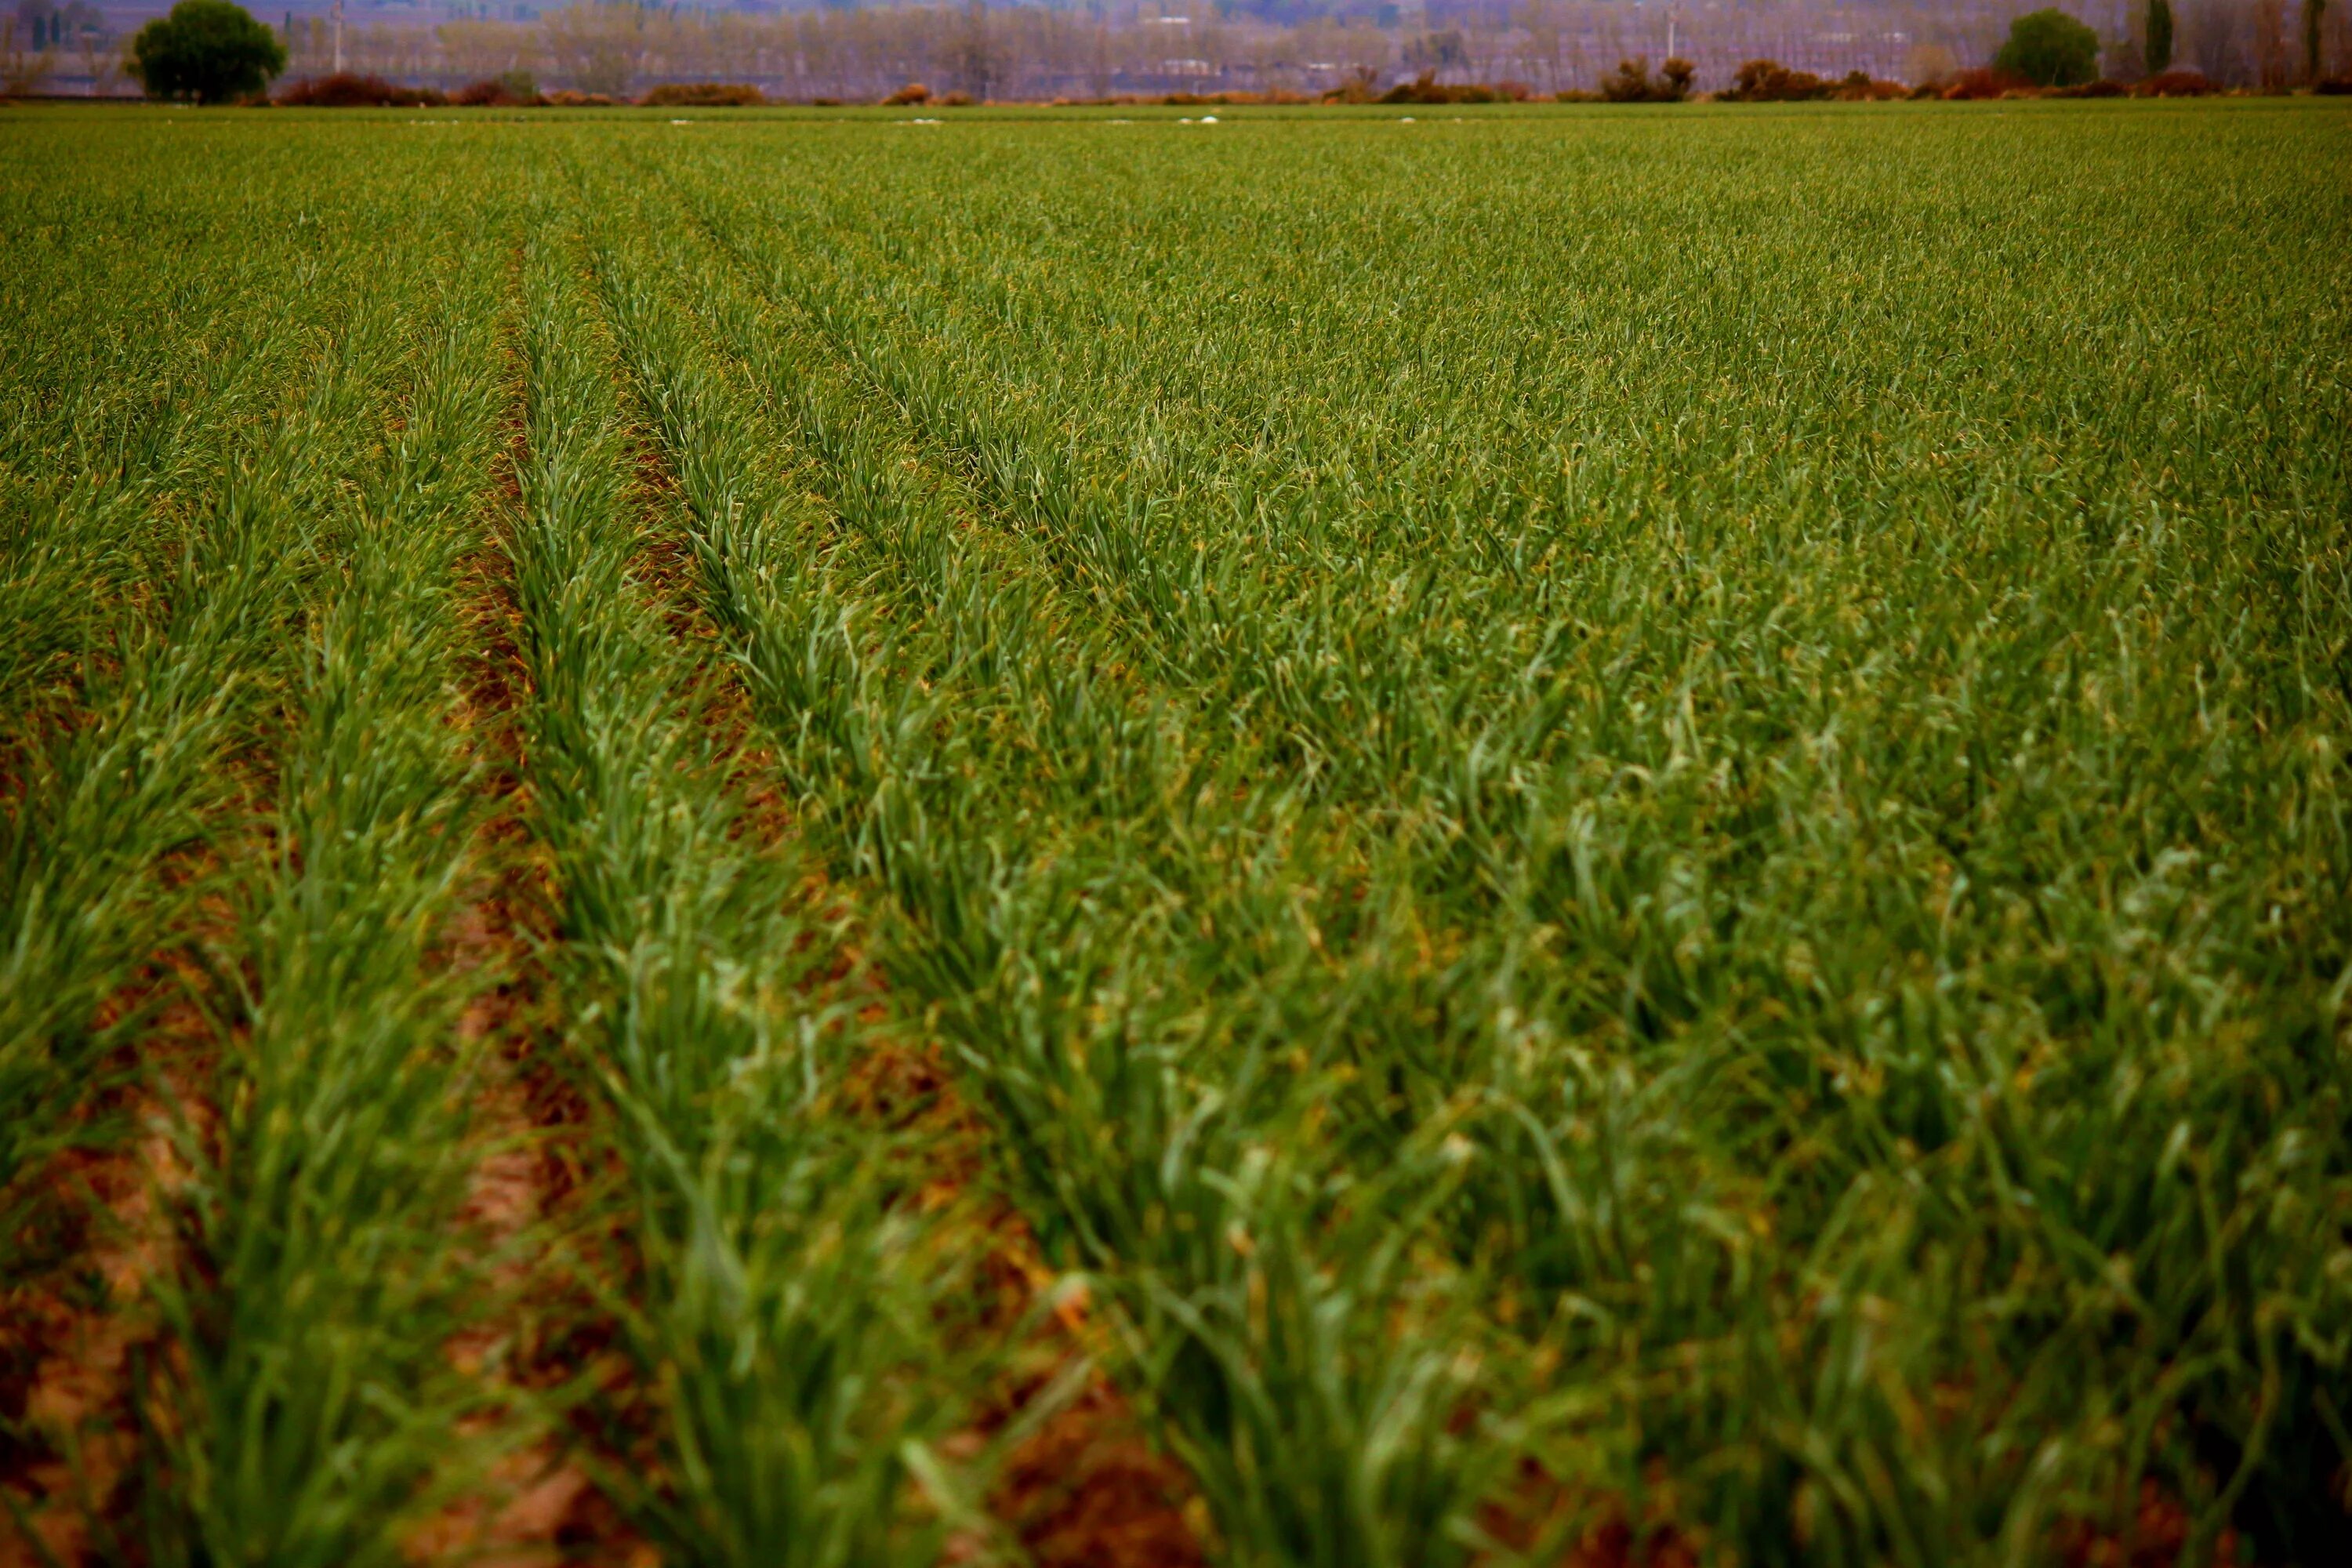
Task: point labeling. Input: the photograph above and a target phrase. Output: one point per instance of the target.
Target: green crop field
(1573, 836)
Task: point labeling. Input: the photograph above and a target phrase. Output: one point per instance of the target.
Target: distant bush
(1631, 82)
(1985, 81)
(954, 101)
(2334, 86)
(2100, 89)
(914, 92)
(2050, 49)
(704, 95)
(1204, 99)
(1861, 86)
(565, 98)
(2173, 84)
(1769, 82)
(509, 90)
(347, 90)
(207, 50)
(1426, 88)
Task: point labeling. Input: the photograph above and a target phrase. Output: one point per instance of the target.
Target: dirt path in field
(83, 1343)
(528, 1201)
(80, 1329)
(81, 1336)
(1085, 1487)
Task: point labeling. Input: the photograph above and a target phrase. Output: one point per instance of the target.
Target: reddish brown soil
(537, 1506)
(79, 1332)
(2158, 1538)
(1086, 1488)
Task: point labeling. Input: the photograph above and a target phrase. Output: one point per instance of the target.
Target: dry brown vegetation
(704, 95)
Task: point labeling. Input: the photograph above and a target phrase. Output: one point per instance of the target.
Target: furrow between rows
(794, 1284)
(152, 1383)
(1077, 1485)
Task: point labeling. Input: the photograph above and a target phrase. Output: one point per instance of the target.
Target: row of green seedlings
(803, 1325)
(306, 1411)
(295, 654)
(147, 404)
(1064, 1143)
(1245, 440)
(1866, 1260)
(2197, 1287)
(1260, 1290)
(134, 649)
(2156, 558)
(1129, 933)
(314, 1411)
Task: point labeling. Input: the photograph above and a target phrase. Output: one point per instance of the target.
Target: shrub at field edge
(704, 95)
(348, 90)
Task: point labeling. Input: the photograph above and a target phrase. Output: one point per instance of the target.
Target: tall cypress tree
(2314, 12)
(2159, 36)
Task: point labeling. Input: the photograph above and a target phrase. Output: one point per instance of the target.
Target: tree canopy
(208, 50)
(2159, 36)
(2050, 49)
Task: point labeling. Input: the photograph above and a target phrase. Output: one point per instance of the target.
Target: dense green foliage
(1581, 797)
(208, 50)
(2159, 36)
(2050, 49)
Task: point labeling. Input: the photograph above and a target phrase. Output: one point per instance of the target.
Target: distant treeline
(1263, 46)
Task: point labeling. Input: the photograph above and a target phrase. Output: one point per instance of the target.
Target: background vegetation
(1040, 51)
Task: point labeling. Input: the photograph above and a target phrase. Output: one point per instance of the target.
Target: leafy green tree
(2314, 13)
(2050, 49)
(2159, 36)
(208, 50)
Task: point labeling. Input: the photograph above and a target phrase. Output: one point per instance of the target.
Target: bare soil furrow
(548, 1248)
